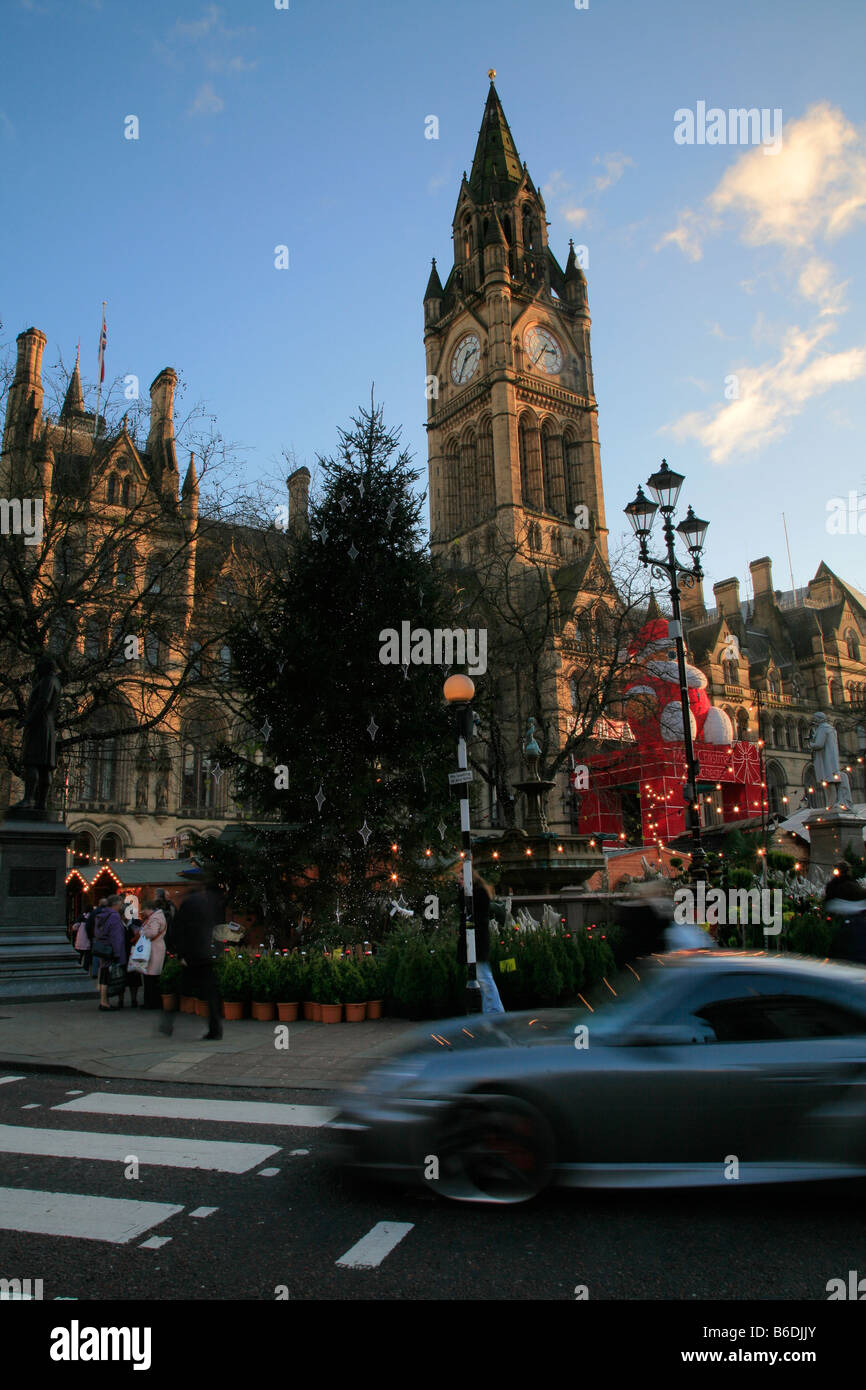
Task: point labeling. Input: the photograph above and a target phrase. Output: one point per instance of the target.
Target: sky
(726, 281)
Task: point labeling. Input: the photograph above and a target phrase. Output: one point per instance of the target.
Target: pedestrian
(154, 927)
(132, 930)
(109, 947)
(81, 941)
(200, 912)
(482, 896)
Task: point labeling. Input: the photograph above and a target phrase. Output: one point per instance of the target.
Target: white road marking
(269, 1172)
(75, 1093)
(154, 1242)
(296, 1153)
(34, 1105)
(372, 1248)
(217, 1156)
(112, 1219)
(4, 1080)
(204, 1211)
(243, 1112)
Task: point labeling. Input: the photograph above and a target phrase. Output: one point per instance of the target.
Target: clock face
(467, 355)
(542, 349)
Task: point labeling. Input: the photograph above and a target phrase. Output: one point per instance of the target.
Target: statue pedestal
(830, 834)
(36, 959)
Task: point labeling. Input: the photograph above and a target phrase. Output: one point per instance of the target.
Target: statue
(39, 744)
(141, 792)
(531, 745)
(824, 747)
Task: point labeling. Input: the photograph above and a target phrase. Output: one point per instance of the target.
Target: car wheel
(492, 1148)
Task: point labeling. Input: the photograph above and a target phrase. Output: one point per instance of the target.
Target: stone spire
(496, 168)
(74, 401)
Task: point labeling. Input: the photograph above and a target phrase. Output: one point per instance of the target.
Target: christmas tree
(350, 775)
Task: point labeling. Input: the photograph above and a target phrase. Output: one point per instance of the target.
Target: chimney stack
(692, 602)
(160, 438)
(299, 495)
(727, 595)
(762, 576)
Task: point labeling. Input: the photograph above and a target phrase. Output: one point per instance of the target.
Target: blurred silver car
(695, 1068)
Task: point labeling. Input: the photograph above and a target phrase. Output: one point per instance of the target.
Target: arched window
(93, 639)
(452, 488)
(742, 724)
(779, 736)
(469, 478)
(153, 574)
(837, 695)
(731, 672)
(102, 762)
(776, 788)
(195, 661)
(574, 692)
(111, 489)
(225, 663)
(83, 847)
(814, 793)
(552, 469)
(202, 788)
(151, 649)
(803, 732)
(123, 573)
(110, 846)
(852, 644)
(127, 493)
(486, 481)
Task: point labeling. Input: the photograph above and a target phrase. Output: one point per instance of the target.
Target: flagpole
(102, 339)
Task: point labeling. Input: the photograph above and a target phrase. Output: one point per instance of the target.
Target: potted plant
(234, 978)
(312, 1003)
(373, 984)
(327, 993)
(290, 984)
(168, 983)
(353, 990)
(263, 984)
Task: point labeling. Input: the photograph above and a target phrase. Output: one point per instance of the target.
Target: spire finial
(491, 73)
(77, 352)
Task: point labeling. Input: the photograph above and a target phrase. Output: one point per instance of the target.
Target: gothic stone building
(140, 795)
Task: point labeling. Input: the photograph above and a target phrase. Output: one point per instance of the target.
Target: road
(234, 1199)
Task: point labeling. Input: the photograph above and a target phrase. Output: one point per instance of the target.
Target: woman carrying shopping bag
(149, 954)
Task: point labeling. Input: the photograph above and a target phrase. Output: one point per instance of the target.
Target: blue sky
(305, 127)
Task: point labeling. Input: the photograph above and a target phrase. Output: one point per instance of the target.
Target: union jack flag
(103, 340)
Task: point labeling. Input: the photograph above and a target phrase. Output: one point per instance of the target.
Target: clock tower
(512, 416)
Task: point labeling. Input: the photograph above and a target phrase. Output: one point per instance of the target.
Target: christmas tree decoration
(372, 728)
(365, 832)
(320, 798)
(353, 551)
(266, 730)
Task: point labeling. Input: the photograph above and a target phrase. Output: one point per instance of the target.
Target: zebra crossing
(122, 1220)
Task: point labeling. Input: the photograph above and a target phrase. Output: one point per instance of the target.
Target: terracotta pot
(233, 1008)
(316, 1015)
(187, 1004)
(201, 1008)
(169, 1003)
(287, 1013)
(308, 1008)
(356, 1013)
(263, 1012)
(374, 1008)
(331, 1013)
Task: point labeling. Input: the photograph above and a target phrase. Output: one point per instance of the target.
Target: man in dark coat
(109, 932)
(482, 894)
(200, 912)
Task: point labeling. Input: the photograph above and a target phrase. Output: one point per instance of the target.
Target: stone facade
(139, 796)
(773, 661)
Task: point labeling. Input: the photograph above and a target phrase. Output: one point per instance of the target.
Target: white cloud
(615, 165)
(771, 395)
(206, 102)
(575, 215)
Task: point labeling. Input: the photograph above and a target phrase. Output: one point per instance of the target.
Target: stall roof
(131, 873)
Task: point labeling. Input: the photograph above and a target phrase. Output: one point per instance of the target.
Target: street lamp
(458, 692)
(664, 485)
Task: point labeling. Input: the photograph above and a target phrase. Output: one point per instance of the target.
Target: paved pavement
(74, 1035)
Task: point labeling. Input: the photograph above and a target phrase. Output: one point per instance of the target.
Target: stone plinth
(36, 959)
(830, 834)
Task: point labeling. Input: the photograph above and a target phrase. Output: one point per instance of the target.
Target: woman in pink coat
(154, 929)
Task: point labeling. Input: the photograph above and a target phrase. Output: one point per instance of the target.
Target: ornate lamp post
(458, 691)
(665, 487)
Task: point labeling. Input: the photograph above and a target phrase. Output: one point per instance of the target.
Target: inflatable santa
(652, 695)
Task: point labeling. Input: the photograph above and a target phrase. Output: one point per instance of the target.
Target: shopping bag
(139, 958)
